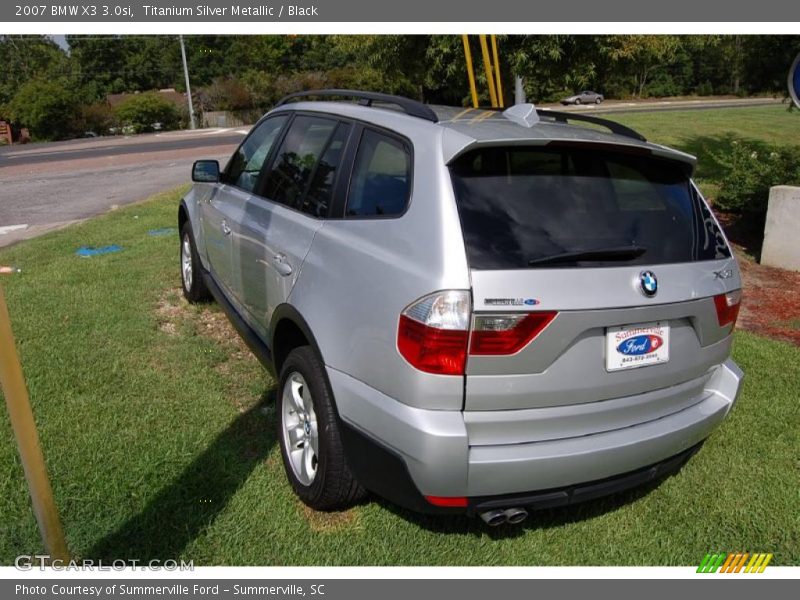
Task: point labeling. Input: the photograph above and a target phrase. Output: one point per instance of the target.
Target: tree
(48, 108)
(142, 111)
(24, 58)
(642, 54)
(553, 65)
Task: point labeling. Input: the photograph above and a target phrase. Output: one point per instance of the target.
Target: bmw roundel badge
(648, 283)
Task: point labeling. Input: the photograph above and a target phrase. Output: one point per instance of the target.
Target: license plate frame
(636, 345)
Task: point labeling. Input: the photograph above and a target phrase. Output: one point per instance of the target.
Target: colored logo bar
(734, 562)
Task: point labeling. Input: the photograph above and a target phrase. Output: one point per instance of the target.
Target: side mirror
(205, 171)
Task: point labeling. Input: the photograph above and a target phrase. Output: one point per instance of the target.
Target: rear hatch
(594, 276)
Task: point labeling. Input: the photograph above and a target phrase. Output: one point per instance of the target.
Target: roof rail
(613, 126)
(412, 108)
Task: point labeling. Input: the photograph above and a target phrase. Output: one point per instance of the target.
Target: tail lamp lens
(434, 332)
(448, 501)
(498, 335)
(728, 307)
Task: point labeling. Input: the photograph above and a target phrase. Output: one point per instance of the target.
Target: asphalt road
(617, 106)
(48, 186)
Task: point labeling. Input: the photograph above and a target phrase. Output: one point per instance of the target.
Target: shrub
(226, 93)
(142, 111)
(705, 89)
(751, 171)
(49, 109)
(98, 118)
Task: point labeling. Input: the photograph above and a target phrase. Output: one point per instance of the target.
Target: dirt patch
(169, 312)
(770, 300)
(175, 316)
(329, 522)
(172, 311)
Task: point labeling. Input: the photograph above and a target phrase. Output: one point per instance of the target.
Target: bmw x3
(475, 311)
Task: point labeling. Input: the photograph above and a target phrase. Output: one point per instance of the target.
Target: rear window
(555, 207)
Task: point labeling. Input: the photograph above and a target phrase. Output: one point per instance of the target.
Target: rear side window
(296, 160)
(317, 201)
(246, 163)
(381, 178)
(556, 207)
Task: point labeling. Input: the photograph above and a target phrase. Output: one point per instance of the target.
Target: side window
(381, 177)
(318, 198)
(245, 165)
(295, 162)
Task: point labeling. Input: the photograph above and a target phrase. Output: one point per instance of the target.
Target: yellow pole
(21, 416)
(470, 71)
(487, 64)
(496, 59)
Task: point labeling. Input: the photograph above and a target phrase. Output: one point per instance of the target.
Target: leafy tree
(48, 108)
(142, 111)
(24, 58)
(642, 55)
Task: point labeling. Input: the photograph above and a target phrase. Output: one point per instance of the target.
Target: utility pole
(192, 124)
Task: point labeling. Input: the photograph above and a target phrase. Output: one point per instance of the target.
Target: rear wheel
(577, 100)
(308, 430)
(194, 288)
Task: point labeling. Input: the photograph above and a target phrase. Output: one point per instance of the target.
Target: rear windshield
(555, 207)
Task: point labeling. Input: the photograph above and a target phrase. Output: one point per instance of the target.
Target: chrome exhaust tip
(516, 515)
(493, 518)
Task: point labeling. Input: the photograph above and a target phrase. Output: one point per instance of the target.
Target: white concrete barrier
(782, 230)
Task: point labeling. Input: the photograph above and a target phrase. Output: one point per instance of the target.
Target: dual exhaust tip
(496, 517)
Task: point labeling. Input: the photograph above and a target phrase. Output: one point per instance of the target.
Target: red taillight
(728, 307)
(496, 335)
(448, 501)
(433, 332)
(432, 350)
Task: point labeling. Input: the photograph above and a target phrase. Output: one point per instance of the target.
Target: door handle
(280, 264)
(225, 229)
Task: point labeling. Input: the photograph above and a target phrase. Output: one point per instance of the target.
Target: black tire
(194, 290)
(577, 101)
(333, 486)
(598, 100)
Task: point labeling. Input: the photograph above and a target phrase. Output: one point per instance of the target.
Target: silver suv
(468, 310)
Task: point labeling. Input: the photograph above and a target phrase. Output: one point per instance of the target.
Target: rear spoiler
(456, 144)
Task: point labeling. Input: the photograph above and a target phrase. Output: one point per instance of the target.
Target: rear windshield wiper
(613, 253)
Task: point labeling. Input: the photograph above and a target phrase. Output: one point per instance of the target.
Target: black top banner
(473, 11)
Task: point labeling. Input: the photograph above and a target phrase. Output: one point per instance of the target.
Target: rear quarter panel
(361, 273)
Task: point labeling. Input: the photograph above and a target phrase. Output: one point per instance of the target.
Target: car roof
(461, 129)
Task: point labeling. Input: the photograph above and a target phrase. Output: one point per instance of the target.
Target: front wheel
(194, 288)
(578, 101)
(598, 100)
(308, 430)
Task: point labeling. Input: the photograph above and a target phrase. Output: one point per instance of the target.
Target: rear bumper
(432, 450)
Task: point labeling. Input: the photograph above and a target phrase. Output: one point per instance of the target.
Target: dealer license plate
(641, 345)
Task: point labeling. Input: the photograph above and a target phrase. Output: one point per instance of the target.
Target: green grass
(708, 134)
(158, 432)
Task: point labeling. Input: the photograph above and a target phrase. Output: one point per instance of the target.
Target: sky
(61, 41)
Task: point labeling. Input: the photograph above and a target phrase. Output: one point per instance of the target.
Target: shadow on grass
(537, 519)
(183, 509)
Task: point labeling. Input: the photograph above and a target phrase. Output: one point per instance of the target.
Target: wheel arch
(289, 330)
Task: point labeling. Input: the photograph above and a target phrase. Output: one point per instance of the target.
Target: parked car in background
(468, 311)
(585, 97)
